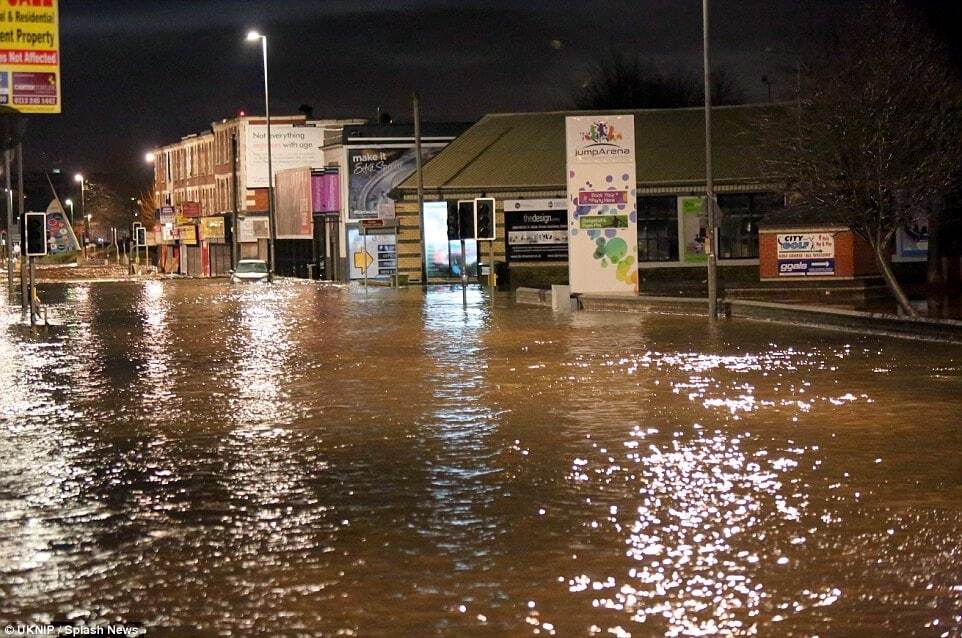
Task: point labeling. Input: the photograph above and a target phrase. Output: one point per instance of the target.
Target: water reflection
(302, 460)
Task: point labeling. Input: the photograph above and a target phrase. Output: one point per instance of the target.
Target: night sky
(140, 73)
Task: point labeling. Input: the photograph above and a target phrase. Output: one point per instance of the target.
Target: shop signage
(805, 254)
(536, 233)
(191, 210)
(60, 237)
(166, 215)
(601, 203)
(30, 57)
(187, 234)
(212, 229)
(372, 173)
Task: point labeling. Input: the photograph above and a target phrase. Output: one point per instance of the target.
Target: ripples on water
(307, 460)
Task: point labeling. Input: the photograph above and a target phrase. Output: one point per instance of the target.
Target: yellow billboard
(30, 56)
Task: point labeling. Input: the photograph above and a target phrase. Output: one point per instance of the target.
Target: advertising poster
(536, 230)
(60, 237)
(293, 204)
(250, 229)
(326, 192)
(694, 228)
(602, 210)
(805, 254)
(292, 147)
(372, 173)
(30, 57)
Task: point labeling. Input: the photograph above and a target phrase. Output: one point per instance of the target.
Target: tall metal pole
(417, 146)
(709, 184)
(21, 209)
(83, 214)
(270, 166)
(235, 231)
(464, 275)
(6, 172)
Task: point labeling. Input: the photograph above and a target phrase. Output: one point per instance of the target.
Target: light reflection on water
(307, 460)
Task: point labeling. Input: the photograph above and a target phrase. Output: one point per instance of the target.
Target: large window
(657, 229)
(738, 230)
(443, 257)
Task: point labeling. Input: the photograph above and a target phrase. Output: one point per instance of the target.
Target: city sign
(30, 57)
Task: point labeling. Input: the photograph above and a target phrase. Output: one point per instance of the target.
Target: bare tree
(877, 137)
(107, 209)
(621, 82)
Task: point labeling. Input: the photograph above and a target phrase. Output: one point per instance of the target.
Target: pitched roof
(524, 151)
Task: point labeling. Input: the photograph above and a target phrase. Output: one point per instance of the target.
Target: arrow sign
(362, 259)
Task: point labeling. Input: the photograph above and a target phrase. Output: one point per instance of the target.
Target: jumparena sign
(30, 56)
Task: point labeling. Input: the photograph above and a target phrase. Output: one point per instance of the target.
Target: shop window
(657, 229)
(738, 228)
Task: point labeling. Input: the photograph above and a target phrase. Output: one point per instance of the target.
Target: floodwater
(310, 460)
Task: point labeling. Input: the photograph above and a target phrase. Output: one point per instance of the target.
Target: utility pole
(709, 184)
(417, 146)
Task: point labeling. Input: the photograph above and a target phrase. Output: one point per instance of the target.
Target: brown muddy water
(302, 460)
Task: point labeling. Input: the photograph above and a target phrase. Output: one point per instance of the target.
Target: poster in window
(694, 228)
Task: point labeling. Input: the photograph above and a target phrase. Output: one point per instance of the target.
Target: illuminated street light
(254, 36)
(69, 203)
(149, 158)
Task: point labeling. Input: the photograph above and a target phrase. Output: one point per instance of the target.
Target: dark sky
(139, 73)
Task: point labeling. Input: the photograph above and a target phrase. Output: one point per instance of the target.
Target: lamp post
(83, 208)
(69, 203)
(254, 36)
(709, 183)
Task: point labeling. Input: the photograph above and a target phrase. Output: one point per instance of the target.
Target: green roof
(526, 151)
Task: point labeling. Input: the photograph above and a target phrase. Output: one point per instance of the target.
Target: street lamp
(254, 36)
(149, 158)
(69, 203)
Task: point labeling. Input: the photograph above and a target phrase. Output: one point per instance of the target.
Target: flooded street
(302, 460)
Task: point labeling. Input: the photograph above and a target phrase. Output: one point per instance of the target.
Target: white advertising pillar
(602, 209)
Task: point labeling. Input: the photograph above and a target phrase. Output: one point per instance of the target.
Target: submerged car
(249, 270)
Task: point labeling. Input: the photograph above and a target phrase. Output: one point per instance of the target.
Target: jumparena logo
(601, 139)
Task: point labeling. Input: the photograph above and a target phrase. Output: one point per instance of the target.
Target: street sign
(141, 236)
(36, 234)
(30, 57)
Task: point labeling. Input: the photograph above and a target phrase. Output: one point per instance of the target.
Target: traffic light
(454, 233)
(36, 234)
(466, 218)
(484, 218)
(141, 236)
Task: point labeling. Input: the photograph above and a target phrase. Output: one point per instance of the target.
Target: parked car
(249, 270)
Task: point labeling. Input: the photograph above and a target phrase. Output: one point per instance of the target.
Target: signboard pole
(21, 211)
(464, 276)
(364, 243)
(491, 275)
(6, 172)
(33, 291)
(709, 185)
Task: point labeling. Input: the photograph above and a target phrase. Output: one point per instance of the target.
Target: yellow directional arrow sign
(362, 259)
